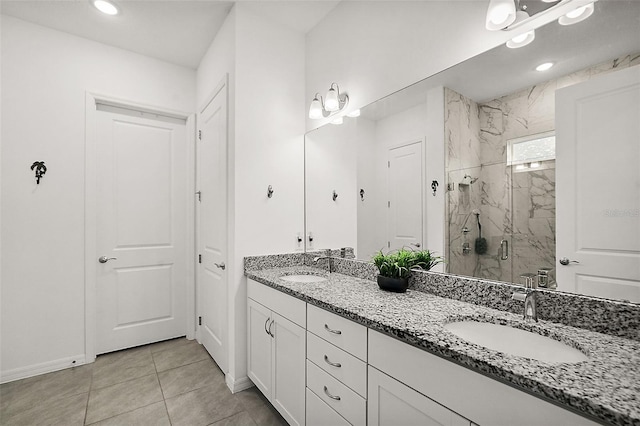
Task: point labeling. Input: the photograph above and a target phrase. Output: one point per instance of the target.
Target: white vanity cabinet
(276, 349)
(392, 403)
(336, 370)
(469, 394)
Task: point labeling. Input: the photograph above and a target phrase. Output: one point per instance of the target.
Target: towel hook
(270, 191)
(40, 170)
(335, 195)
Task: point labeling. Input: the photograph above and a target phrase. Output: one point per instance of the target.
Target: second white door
(405, 202)
(212, 227)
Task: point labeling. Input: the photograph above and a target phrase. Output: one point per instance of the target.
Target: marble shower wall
(476, 137)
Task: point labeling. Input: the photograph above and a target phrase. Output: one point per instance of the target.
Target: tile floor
(168, 383)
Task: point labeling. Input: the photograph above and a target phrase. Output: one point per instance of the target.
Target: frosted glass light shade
(332, 103)
(105, 7)
(576, 15)
(315, 110)
(522, 39)
(501, 14)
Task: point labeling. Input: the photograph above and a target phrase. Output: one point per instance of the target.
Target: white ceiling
(176, 31)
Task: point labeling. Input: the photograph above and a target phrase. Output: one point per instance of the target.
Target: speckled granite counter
(607, 387)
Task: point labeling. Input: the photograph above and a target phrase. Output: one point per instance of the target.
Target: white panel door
(405, 176)
(392, 403)
(289, 346)
(598, 186)
(259, 356)
(141, 225)
(212, 227)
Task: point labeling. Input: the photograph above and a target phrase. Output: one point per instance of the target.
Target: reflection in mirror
(487, 130)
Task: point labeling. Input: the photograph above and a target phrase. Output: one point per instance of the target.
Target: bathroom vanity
(338, 350)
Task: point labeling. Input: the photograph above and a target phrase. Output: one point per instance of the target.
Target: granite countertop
(607, 386)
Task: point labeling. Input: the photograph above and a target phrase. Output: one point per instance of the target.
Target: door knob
(564, 261)
(105, 259)
(221, 265)
(416, 244)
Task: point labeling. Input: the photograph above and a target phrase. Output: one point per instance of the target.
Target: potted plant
(395, 267)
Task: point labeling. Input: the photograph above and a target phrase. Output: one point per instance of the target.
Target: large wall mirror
(503, 170)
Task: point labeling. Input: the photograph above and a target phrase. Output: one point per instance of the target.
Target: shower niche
(501, 192)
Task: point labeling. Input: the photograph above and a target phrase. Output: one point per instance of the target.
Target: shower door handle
(504, 250)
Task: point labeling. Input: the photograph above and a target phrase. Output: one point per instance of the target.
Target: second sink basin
(303, 278)
(515, 341)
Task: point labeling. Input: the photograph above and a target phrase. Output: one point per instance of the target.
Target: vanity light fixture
(500, 14)
(105, 7)
(577, 15)
(544, 67)
(522, 39)
(333, 103)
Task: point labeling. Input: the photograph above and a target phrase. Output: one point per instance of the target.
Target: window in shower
(532, 152)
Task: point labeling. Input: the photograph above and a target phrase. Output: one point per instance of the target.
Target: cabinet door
(289, 370)
(392, 403)
(259, 356)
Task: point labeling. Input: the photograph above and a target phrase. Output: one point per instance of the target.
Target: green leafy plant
(398, 264)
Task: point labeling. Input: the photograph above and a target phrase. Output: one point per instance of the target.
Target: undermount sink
(303, 278)
(515, 341)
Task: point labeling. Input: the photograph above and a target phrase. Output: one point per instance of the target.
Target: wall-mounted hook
(270, 191)
(40, 169)
(335, 195)
(362, 194)
(434, 186)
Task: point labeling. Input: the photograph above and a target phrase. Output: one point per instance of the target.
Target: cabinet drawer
(343, 333)
(345, 402)
(345, 367)
(320, 414)
(288, 306)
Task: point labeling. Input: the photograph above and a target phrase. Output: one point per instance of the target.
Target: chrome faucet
(327, 256)
(529, 297)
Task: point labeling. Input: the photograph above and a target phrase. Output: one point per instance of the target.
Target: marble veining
(604, 387)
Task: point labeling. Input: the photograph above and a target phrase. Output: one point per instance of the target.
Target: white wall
(45, 75)
(265, 62)
(374, 48)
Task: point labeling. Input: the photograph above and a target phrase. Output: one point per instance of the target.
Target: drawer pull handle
(265, 327)
(326, 327)
(333, 364)
(326, 391)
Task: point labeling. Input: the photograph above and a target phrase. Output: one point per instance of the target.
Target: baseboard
(238, 385)
(45, 367)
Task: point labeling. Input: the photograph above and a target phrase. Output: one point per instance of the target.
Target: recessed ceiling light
(105, 7)
(544, 67)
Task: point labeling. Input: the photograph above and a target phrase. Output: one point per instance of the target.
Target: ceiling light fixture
(105, 7)
(522, 39)
(544, 67)
(338, 120)
(577, 15)
(354, 113)
(333, 103)
(500, 14)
